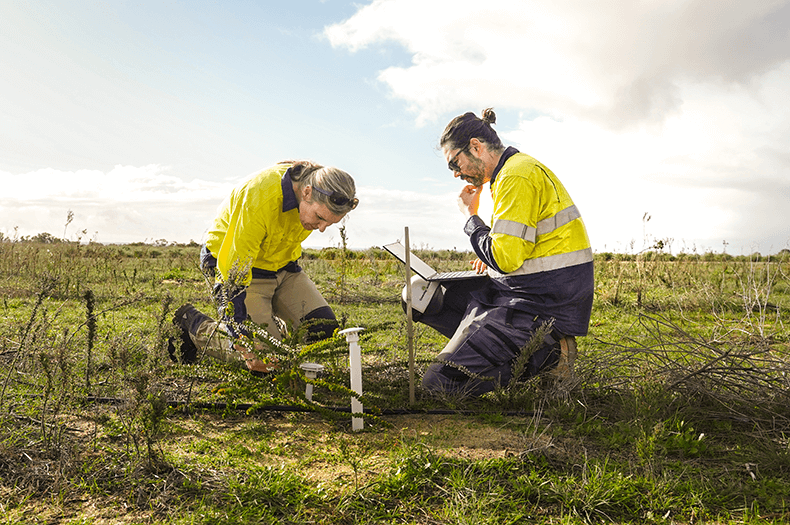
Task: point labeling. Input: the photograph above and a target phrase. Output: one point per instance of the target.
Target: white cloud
(433, 219)
(121, 184)
(675, 109)
(616, 62)
(125, 204)
(139, 204)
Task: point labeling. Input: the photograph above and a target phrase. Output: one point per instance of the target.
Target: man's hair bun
(489, 117)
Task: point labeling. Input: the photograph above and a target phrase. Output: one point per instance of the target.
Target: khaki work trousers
(283, 301)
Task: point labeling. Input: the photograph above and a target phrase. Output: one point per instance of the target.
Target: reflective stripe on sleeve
(516, 229)
(530, 234)
(551, 262)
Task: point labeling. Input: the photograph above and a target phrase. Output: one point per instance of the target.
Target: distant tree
(45, 238)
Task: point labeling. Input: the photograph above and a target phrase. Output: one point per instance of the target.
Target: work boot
(564, 369)
(188, 319)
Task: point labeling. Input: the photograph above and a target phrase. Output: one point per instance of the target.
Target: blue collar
(289, 197)
(509, 152)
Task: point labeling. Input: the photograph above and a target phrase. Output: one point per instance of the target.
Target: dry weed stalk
(748, 378)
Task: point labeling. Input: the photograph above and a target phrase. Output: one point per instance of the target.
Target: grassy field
(678, 412)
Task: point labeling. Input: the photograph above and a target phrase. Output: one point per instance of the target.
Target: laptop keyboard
(464, 274)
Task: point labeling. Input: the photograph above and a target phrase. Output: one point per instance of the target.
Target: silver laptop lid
(418, 266)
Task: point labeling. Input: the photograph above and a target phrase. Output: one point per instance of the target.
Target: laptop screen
(417, 265)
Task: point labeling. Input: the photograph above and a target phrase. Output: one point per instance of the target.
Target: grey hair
(329, 179)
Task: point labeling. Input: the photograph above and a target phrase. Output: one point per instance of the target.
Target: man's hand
(479, 266)
(252, 361)
(469, 200)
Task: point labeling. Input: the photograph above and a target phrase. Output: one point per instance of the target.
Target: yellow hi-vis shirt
(535, 225)
(257, 226)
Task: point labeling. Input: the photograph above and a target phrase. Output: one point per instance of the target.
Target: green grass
(679, 412)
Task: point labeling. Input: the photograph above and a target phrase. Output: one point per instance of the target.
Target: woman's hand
(252, 361)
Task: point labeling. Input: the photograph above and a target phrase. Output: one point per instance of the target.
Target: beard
(474, 173)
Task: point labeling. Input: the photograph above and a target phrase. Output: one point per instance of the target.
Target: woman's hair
(466, 127)
(333, 185)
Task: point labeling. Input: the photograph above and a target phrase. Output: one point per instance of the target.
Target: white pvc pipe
(355, 366)
(308, 391)
(311, 371)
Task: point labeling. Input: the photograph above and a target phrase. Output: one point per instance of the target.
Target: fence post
(409, 326)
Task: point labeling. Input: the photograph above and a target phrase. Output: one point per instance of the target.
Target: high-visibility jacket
(537, 249)
(257, 230)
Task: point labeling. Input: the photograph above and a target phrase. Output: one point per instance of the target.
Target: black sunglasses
(336, 198)
(453, 165)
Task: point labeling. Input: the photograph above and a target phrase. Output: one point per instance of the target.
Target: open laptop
(422, 268)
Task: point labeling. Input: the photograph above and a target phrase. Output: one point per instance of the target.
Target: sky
(130, 121)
